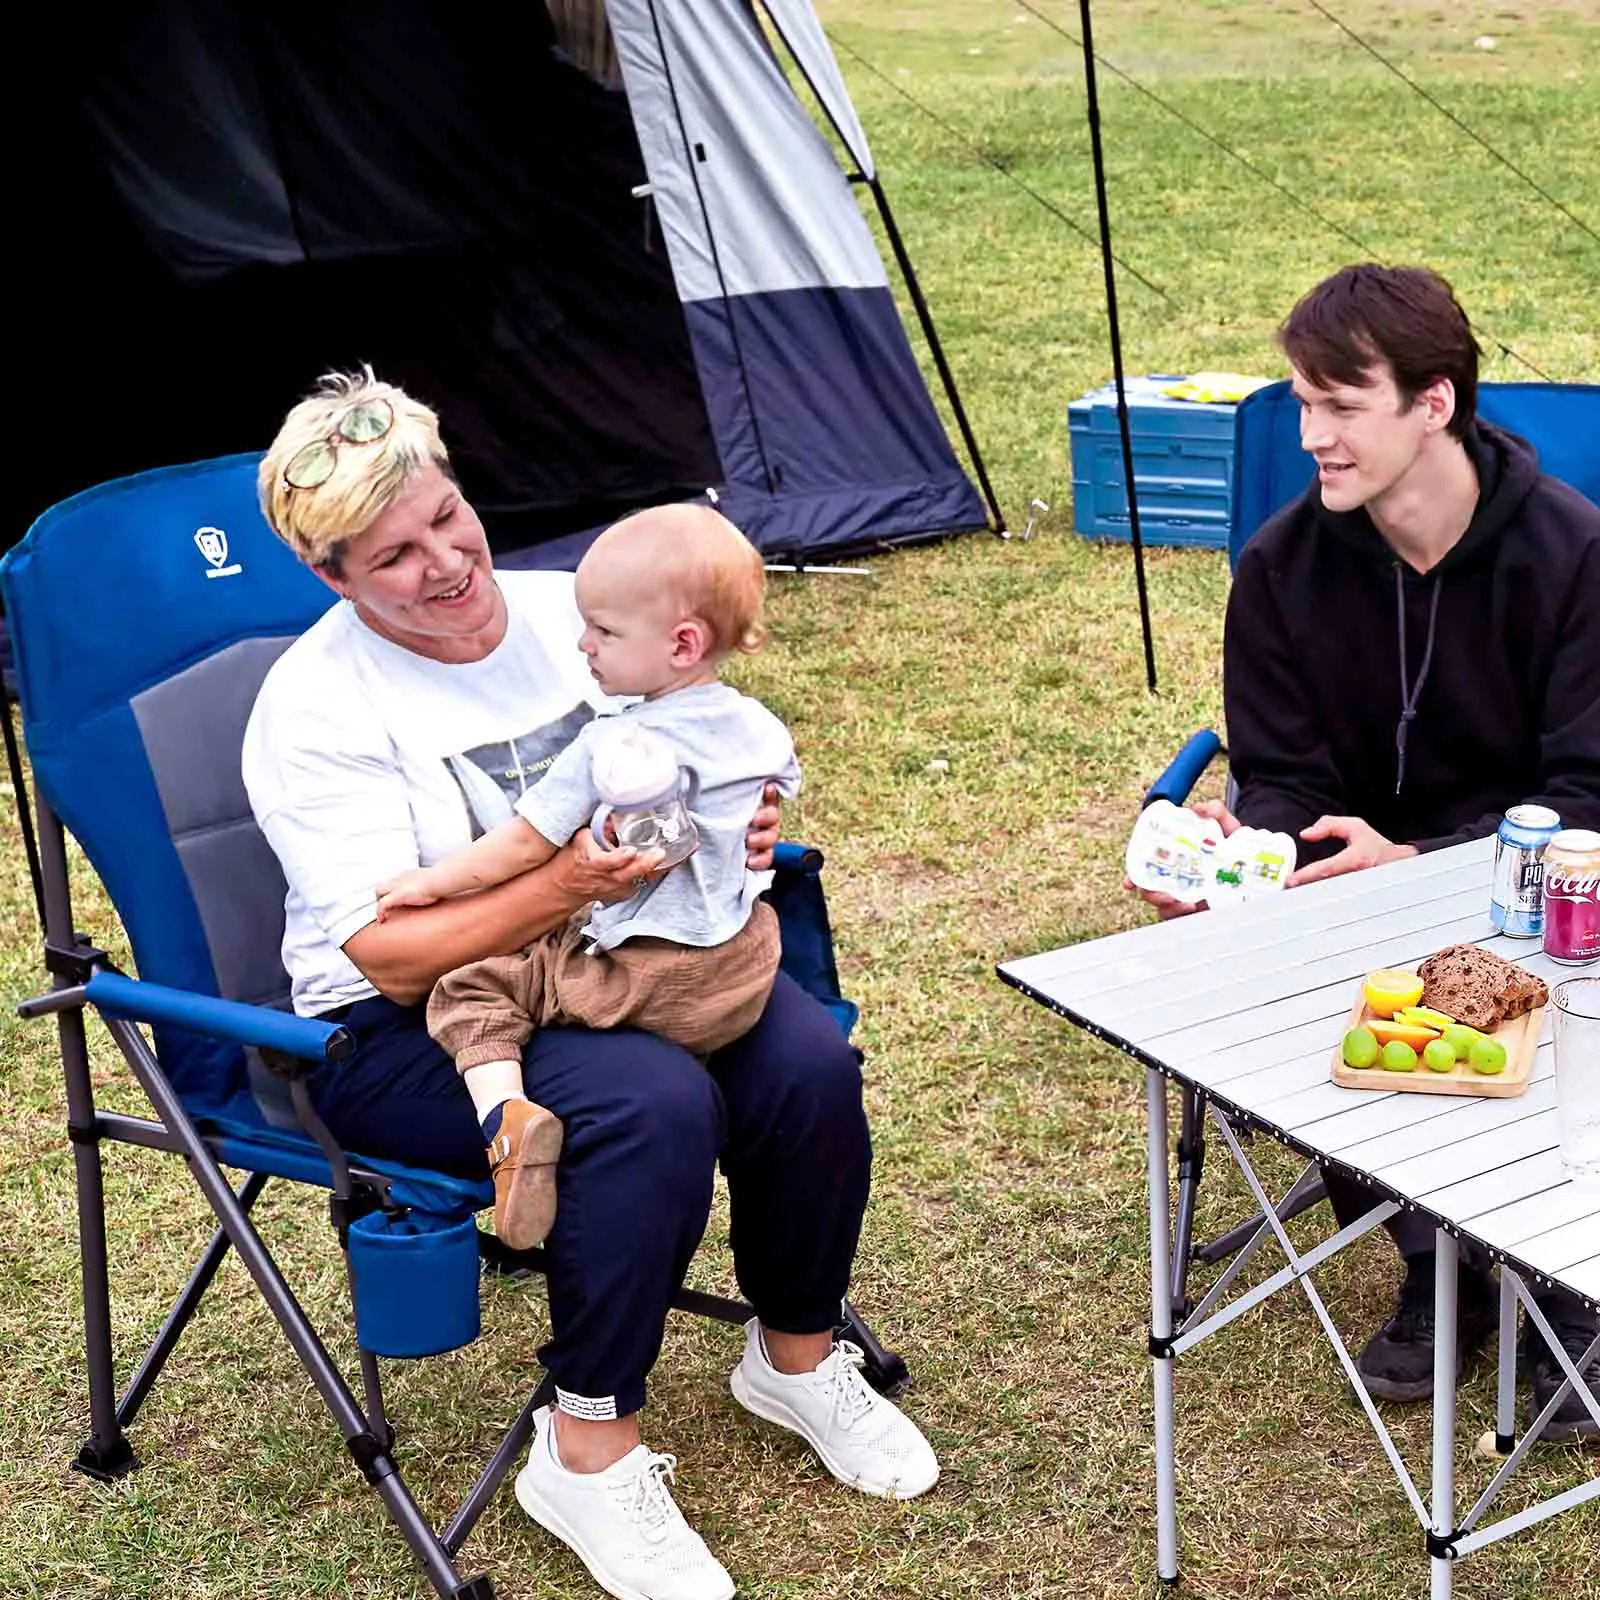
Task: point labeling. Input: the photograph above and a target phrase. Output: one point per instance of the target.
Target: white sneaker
(863, 1439)
(623, 1522)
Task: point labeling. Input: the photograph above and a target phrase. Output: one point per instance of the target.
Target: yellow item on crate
(1214, 387)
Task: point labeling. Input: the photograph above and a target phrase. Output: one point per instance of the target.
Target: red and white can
(1572, 897)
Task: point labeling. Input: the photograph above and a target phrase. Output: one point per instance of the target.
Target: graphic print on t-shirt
(493, 776)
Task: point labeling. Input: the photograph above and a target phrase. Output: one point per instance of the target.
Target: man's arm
(1277, 746)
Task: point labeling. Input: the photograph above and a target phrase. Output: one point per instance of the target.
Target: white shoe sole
(540, 1509)
(775, 1411)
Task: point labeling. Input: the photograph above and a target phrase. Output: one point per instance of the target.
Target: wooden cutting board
(1520, 1037)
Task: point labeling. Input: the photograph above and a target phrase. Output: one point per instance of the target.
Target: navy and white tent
(606, 238)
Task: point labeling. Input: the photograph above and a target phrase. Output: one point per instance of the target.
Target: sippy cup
(1175, 851)
(641, 791)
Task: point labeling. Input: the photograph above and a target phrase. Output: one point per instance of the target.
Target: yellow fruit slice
(1411, 1034)
(1388, 990)
(1423, 1016)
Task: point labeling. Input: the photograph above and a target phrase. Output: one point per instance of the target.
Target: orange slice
(1387, 990)
(1413, 1035)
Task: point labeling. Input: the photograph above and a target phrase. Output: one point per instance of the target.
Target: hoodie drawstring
(1410, 693)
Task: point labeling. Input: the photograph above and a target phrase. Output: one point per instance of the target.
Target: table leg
(1161, 1358)
(1444, 1408)
(1505, 1431)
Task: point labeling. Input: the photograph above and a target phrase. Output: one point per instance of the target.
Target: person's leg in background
(1396, 1363)
(798, 1162)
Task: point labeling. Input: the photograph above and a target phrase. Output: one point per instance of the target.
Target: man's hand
(1164, 905)
(1364, 847)
(761, 837)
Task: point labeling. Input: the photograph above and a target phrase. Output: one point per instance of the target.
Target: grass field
(976, 735)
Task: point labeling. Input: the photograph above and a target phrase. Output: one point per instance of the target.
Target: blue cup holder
(416, 1283)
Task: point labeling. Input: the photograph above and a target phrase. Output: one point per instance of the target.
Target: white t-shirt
(363, 759)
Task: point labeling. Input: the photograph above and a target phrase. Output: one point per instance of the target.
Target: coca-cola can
(1572, 897)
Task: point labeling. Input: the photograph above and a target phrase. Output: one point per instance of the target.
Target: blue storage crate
(1182, 465)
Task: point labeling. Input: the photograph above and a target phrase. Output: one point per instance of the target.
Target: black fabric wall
(215, 201)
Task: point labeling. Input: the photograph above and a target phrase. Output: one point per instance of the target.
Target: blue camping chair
(144, 615)
(1562, 422)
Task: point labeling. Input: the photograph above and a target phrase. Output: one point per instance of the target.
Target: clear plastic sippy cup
(641, 792)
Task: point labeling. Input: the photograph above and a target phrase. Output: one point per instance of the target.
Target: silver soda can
(1516, 904)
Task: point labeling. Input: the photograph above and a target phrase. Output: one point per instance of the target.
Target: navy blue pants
(645, 1127)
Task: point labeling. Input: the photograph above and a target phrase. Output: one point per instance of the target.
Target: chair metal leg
(370, 1451)
(106, 1454)
(1191, 1155)
(183, 1309)
(884, 1370)
(1300, 1198)
(512, 1446)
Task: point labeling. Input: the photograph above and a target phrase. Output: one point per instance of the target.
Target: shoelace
(646, 1497)
(1414, 1314)
(851, 1397)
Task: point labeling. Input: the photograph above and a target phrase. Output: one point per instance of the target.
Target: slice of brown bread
(1463, 982)
(1523, 991)
(1477, 987)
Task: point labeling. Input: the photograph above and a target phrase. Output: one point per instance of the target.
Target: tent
(605, 238)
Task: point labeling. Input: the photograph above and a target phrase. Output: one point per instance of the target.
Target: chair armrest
(787, 857)
(119, 996)
(1183, 771)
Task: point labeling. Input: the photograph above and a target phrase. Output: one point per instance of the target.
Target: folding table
(1243, 1008)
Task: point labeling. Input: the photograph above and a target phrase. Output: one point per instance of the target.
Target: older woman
(400, 725)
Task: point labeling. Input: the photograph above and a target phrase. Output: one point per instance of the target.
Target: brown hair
(1405, 317)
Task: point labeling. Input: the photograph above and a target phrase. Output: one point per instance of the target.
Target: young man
(1412, 647)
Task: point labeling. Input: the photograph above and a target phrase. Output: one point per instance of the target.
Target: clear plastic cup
(1577, 1044)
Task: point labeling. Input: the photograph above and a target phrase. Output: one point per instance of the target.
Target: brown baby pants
(699, 998)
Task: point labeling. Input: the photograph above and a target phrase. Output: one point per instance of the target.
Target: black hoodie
(1504, 634)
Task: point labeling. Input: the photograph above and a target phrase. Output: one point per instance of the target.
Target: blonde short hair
(366, 478)
(710, 569)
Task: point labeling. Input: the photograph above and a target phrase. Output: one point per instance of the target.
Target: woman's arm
(413, 947)
(501, 854)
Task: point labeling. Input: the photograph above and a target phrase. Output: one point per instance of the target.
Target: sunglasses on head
(312, 465)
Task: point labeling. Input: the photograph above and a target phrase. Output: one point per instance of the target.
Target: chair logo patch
(212, 543)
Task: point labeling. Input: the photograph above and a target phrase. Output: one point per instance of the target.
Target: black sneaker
(1576, 1333)
(1397, 1363)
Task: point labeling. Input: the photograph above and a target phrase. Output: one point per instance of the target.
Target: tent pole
(925, 317)
(1116, 344)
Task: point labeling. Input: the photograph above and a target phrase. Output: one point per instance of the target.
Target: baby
(665, 596)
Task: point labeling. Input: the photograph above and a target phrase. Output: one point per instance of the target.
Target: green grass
(1005, 1251)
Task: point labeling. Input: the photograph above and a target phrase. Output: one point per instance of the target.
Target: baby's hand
(409, 889)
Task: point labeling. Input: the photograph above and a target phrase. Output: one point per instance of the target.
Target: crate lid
(1220, 390)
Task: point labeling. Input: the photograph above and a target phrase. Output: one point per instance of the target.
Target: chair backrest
(1560, 420)
(144, 614)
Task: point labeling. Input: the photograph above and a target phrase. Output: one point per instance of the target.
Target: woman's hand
(1364, 847)
(761, 838)
(588, 871)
